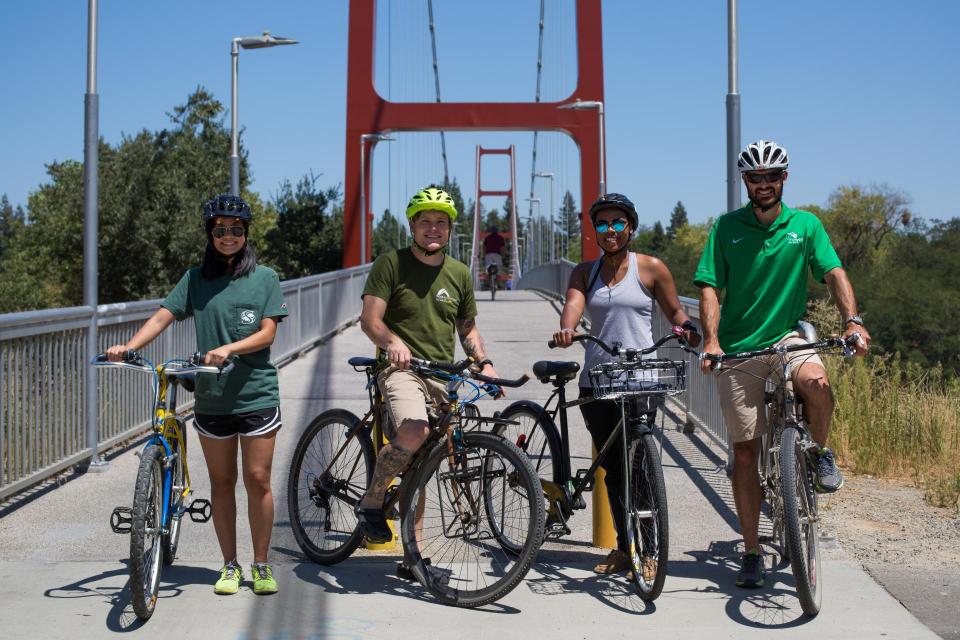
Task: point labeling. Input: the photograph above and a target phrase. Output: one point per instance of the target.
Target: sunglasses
(219, 232)
(618, 225)
(758, 178)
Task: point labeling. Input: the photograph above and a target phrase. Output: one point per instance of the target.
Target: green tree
(678, 220)
(307, 238)
(682, 254)
(389, 234)
(11, 222)
(570, 225)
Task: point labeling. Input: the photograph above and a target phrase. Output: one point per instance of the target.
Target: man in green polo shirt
(759, 256)
(414, 300)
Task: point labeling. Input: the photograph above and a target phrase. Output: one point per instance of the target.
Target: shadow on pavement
(104, 586)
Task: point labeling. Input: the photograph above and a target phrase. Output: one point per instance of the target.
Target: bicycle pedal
(121, 520)
(581, 474)
(200, 510)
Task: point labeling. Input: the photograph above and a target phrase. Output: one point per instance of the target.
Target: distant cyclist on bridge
(413, 301)
(493, 246)
(759, 255)
(620, 291)
(236, 305)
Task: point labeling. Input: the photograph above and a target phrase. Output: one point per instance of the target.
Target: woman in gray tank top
(620, 291)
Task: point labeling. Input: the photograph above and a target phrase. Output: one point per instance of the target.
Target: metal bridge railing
(42, 361)
(701, 402)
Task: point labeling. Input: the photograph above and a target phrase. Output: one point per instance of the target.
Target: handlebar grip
(503, 382)
(552, 344)
(127, 356)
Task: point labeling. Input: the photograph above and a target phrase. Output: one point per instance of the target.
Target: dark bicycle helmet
(226, 205)
(615, 201)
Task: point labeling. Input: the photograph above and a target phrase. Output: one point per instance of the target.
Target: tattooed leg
(391, 462)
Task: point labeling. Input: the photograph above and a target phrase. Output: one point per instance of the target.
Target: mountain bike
(787, 463)
(163, 478)
(633, 382)
(469, 504)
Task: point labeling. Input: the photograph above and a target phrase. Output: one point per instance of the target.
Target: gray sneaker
(751, 571)
(828, 475)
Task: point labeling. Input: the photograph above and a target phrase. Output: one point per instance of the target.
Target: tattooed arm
(473, 345)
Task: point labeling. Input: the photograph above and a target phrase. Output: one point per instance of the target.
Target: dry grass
(895, 420)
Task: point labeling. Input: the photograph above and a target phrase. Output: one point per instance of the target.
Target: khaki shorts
(407, 396)
(741, 386)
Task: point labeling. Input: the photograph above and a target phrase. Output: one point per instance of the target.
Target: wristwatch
(855, 319)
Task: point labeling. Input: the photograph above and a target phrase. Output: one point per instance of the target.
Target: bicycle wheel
(800, 520)
(171, 539)
(444, 521)
(538, 438)
(329, 474)
(145, 533)
(645, 517)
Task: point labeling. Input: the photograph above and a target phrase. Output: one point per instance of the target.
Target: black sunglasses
(237, 231)
(757, 178)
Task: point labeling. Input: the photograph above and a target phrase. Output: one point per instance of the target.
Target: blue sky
(858, 91)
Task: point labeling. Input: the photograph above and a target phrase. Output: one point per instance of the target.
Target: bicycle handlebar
(131, 359)
(845, 343)
(675, 334)
(458, 368)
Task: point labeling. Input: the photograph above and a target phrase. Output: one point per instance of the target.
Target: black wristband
(484, 362)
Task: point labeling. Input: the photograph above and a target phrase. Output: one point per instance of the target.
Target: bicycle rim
(537, 438)
(145, 533)
(444, 520)
(320, 502)
(800, 520)
(646, 518)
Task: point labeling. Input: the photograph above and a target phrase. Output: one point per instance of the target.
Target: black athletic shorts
(254, 423)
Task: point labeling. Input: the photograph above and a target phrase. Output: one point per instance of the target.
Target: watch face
(855, 319)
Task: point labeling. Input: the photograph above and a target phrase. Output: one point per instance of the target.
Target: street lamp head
(376, 137)
(261, 42)
(582, 104)
(543, 174)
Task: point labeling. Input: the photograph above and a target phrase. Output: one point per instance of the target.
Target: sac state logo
(443, 297)
(794, 238)
(247, 317)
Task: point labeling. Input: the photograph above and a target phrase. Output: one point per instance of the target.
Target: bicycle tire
(646, 517)
(171, 539)
(800, 520)
(321, 509)
(769, 483)
(540, 438)
(469, 568)
(145, 562)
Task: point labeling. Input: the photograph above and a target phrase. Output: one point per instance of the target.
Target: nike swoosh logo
(736, 240)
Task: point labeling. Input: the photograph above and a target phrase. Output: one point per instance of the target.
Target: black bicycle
(630, 380)
(787, 464)
(469, 504)
(492, 274)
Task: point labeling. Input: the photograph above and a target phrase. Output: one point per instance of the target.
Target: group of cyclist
(417, 299)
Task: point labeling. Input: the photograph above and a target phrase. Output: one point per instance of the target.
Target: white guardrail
(42, 362)
(700, 401)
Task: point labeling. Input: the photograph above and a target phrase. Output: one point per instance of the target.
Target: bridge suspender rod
(533, 164)
(436, 81)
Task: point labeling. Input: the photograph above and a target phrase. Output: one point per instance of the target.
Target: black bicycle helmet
(615, 201)
(226, 205)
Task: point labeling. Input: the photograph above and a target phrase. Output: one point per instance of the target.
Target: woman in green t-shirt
(236, 305)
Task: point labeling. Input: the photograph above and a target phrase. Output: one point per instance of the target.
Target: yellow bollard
(378, 441)
(604, 533)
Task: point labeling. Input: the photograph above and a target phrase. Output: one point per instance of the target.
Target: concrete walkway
(64, 572)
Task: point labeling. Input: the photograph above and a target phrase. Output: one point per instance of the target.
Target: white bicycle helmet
(762, 155)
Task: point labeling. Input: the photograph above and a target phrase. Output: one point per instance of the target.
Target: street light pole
(539, 233)
(247, 42)
(91, 214)
(364, 138)
(547, 174)
(598, 105)
(733, 110)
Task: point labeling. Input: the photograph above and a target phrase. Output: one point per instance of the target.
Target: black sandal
(373, 524)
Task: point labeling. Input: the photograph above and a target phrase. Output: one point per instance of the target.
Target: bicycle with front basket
(787, 463)
(632, 381)
(470, 503)
(163, 478)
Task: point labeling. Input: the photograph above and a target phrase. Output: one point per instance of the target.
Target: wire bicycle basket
(615, 380)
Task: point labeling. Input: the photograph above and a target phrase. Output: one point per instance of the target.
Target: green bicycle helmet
(432, 198)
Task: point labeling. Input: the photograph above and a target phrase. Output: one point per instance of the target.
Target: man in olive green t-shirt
(413, 302)
(759, 256)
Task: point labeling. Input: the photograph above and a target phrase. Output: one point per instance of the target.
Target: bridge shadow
(120, 617)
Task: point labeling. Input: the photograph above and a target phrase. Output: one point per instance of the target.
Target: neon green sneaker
(263, 582)
(230, 578)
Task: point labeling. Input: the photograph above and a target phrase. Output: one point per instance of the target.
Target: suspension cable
(533, 164)
(436, 80)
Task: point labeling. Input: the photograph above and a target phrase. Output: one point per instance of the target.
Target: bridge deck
(64, 570)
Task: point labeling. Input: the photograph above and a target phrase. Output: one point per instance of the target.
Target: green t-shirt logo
(248, 317)
(445, 298)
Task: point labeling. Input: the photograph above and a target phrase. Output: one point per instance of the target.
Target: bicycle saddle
(360, 361)
(545, 369)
